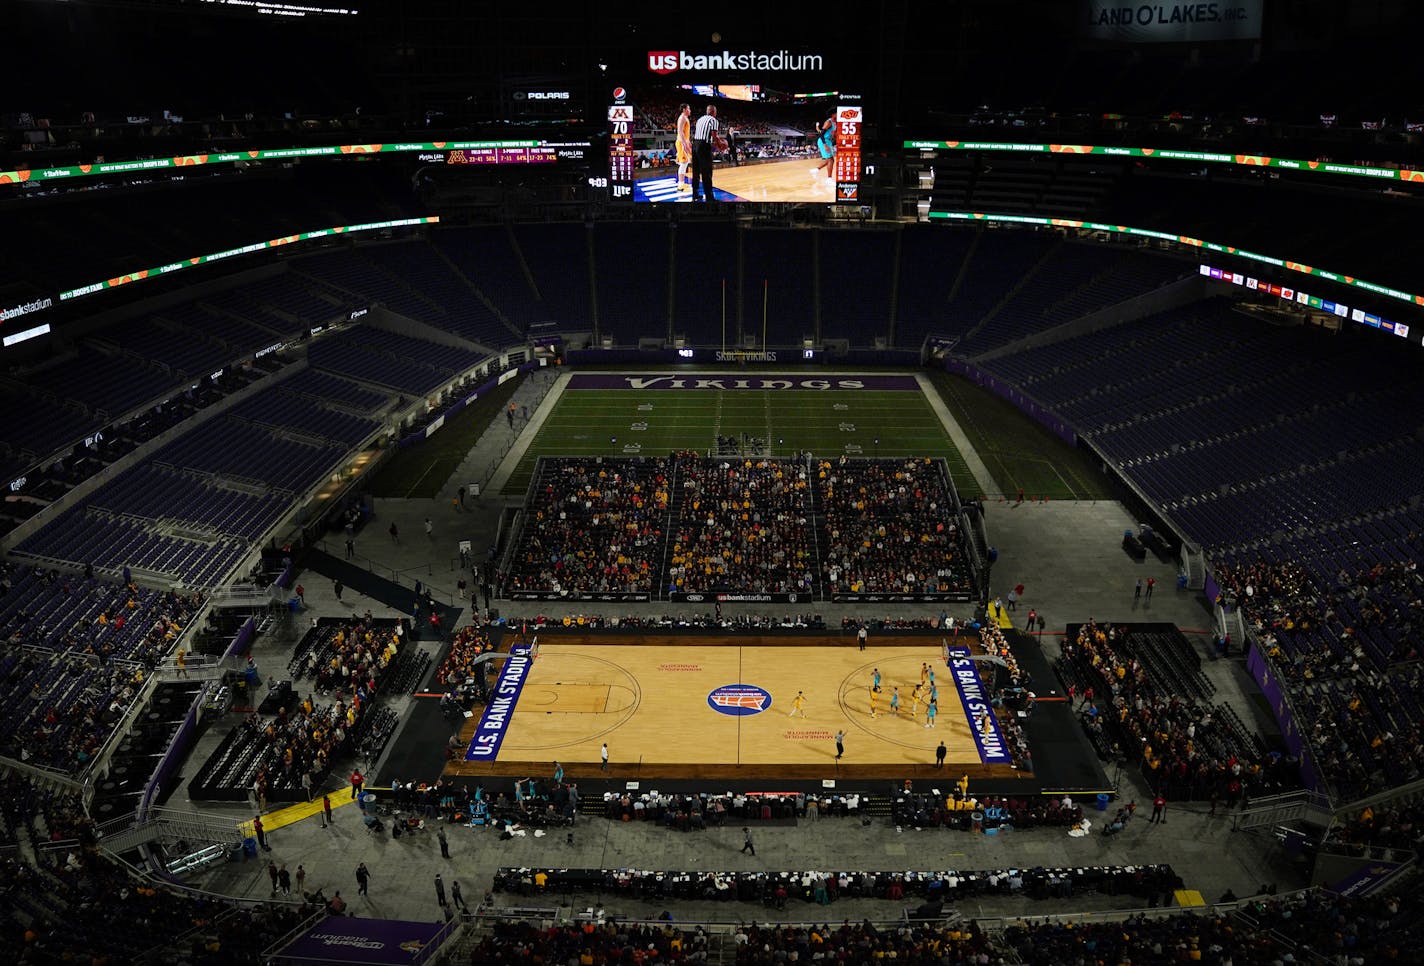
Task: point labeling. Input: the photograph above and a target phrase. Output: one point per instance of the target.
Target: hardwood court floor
(648, 698)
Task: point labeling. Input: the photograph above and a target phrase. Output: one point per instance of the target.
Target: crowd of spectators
(85, 909)
(697, 811)
(890, 527)
(743, 528)
(350, 656)
(753, 944)
(593, 526)
(291, 746)
(1147, 884)
(302, 740)
(38, 813)
(908, 942)
(63, 707)
(1315, 926)
(76, 652)
(1392, 826)
(960, 810)
(1011, 696)
(747, 525)
(732, 622)
(459, 670)
(1187, 748)
(589, 942)
(1345, 645)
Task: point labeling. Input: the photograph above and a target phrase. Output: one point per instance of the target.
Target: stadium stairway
(374, 586)
(488, 462)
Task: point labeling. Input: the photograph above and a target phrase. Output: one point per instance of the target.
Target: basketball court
(780, 179)
(713, 707)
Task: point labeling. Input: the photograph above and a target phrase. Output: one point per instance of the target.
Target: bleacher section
(110, 543)
(855, 277)
(744, 527)
(1076, 279)
(80, 901)
(400, 363)
(1338, 625)
(931, 262)
(705, 259)
(77, 654)
(194, 508)
(105, 383)
(351, 664)
(777, 289)
(752, 528)
(163, 492)
(631, 262)
(557, 257)
(890, 527)
(1146, 702)
(489, 259)
(414, 280)
(129, 364)
(593, 528)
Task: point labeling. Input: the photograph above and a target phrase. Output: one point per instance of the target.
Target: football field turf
(827, 422)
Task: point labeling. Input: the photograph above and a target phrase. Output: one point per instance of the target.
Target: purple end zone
(595, 380)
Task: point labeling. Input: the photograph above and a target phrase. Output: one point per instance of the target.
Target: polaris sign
(542, 96)
(668, 61)
(1146, 23)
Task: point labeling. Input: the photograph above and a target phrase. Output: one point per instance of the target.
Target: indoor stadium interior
(487, 484)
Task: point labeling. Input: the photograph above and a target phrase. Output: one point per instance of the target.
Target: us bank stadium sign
(669, 61)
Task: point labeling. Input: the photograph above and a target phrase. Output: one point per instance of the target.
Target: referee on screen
(702, 136)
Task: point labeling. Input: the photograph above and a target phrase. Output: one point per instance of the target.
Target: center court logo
(739, 700)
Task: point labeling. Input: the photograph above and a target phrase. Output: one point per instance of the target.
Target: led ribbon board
(508, 151)
(1208, 157)
(1301, 267)
(172, 267)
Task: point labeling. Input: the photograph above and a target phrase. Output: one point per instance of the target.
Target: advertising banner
(1156, 23)
(374, 942)
(494, 721)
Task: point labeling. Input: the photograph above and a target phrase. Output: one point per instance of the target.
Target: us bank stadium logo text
(667, 61)
(739, 700)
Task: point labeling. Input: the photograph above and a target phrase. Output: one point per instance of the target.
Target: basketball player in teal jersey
(826, 145)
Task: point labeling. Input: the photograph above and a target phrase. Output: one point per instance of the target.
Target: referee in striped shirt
(702, 137)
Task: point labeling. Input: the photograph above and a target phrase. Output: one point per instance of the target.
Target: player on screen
(684, 146)
(826, 145)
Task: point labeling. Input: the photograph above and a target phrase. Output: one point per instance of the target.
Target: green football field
(827, 422)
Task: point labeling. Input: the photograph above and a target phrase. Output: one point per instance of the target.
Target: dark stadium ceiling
(907, 59)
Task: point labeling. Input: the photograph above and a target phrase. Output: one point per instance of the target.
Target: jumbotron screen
(772, 145)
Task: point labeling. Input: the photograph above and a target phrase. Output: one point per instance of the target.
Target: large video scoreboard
(777, 146)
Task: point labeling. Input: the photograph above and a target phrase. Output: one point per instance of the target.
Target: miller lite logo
(739, 700)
